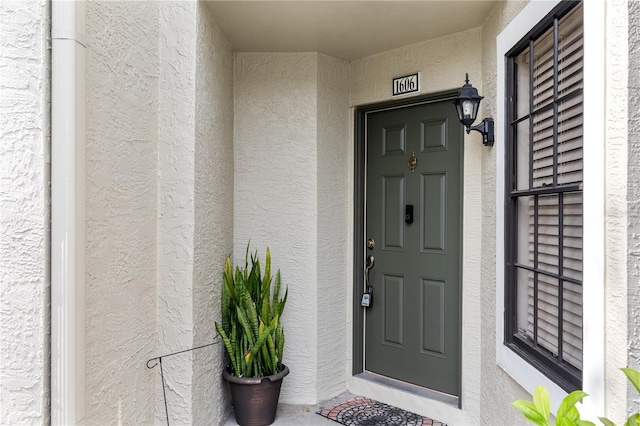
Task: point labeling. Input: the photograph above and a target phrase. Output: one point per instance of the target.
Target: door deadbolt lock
(371, 243)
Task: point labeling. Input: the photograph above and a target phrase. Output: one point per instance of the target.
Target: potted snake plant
(253, 337)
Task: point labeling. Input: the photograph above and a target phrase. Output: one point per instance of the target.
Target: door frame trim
(359, 191)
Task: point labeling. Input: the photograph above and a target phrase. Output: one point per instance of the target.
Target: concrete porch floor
(301, 415)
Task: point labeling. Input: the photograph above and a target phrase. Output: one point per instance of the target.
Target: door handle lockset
(370, 261)
(371, 243)
(367, 296)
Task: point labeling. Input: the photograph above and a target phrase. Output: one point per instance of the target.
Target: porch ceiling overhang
(346, 30)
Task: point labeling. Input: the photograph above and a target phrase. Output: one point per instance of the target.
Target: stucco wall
(334, 159)
(121, 175)
(442, 62)
(276, 190)
(176, 157)
(24, 217)
(499, 389)
(292, 186)
(159, 208)
(370, 81)
(616, 163)
(213, 210)
(633, 198)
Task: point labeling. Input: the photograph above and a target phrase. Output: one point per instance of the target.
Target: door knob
(371, 243)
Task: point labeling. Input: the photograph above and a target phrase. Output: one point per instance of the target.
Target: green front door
(413, 217)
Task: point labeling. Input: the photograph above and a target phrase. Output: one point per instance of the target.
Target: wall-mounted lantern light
(467, 104)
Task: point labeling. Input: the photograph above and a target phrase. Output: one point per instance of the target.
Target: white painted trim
(67, 212)
(593, 241)
(594, 209)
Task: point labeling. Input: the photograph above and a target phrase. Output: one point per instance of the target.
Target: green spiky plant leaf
(250, 324)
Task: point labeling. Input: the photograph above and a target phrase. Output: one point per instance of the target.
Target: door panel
(393, 288)
(433, 329)
(393, 140)
(412, 330)
(433, 136)
(433, 203)
(393, 215)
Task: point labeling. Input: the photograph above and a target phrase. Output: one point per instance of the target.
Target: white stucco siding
(615, 180)
(24, 215)
(442, 63)
(176, 210)
(633, 199)
(121, 169)
(276, 190)
(499, 388)
(334, 216)
(159, 210)
(213, 194)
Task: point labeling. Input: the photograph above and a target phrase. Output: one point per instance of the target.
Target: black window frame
(568, 377)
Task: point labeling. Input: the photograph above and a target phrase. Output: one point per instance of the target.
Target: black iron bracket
(158, 361)
(486, 128)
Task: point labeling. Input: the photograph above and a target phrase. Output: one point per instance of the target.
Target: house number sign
(406, 84)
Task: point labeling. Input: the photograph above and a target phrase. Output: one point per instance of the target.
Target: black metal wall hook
(158, 361)
(158, 358)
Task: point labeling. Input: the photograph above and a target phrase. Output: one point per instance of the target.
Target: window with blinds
(544, 196)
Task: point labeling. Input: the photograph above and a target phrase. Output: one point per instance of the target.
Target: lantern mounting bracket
(486, 128)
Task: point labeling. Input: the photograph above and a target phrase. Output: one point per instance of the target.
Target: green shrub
(537, 412)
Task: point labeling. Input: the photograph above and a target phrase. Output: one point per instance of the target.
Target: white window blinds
(549, 155)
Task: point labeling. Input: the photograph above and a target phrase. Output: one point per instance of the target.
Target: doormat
(364, 411)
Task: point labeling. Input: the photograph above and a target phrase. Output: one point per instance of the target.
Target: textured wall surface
(24, 215)
(440, 70)
(616, 163)
(334, 154)
(176, 156)
(141, 59)
(159, 208)
(276, 190)
(371, 82)
(499, 388)
(633, 198)
(213, 239)
(121, 164)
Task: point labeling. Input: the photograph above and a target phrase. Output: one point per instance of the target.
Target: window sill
(527, 375)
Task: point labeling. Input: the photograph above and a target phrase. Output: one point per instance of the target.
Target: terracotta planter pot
(255, 400)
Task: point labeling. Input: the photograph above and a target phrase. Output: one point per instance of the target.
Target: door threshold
(445, 398)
